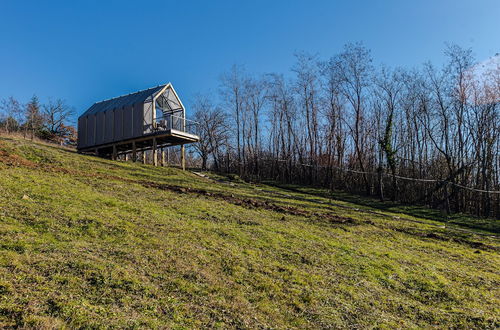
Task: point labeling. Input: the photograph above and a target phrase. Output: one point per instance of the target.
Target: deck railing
(173, 122)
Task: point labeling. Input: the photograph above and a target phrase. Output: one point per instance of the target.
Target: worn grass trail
(86, 242)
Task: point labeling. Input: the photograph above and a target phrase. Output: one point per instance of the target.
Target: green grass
(457, 220)
(87, 242)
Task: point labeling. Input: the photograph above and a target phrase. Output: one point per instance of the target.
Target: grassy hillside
(87, 242)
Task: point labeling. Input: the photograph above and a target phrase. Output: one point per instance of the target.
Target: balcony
(175, 128)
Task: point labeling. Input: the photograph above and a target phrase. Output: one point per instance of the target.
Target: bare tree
(57, 115)
(12, 111)
(355, 74)
(212, 130)
(306, 87)
(284, 143)
(254, 101)
(232, 85)
(334, 113)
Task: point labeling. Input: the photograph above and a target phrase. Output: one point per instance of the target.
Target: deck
(157, 139)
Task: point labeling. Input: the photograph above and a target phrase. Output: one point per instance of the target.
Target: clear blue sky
(86, 51)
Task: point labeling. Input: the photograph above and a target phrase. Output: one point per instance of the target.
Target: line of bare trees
(50, 121)
(428, 135)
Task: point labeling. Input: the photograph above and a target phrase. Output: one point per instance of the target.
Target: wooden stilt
(183, 157)
(155, 153)
(134, 152)
(113, 157)
(163, 156)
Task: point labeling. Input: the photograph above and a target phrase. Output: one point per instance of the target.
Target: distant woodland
(426, 135)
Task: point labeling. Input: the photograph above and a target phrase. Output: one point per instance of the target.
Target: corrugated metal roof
(122, 101)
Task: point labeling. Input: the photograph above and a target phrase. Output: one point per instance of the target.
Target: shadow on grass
(489, 225)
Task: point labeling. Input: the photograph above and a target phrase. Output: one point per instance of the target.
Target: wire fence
(387, 175)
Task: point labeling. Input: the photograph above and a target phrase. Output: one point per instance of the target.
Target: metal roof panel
(123, 101)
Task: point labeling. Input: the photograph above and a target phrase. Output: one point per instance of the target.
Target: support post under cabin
(163, 156)
(134, 152)
(183, 157)
(113, 157)
(155, 153)
(183, 149)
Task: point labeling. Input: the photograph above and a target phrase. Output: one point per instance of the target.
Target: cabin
(149, 120)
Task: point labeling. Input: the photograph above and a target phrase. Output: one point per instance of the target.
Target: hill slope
(87, 242)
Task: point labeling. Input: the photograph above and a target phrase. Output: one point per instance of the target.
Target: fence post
(447, 198)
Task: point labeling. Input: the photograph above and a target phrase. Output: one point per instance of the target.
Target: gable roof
(123, 101)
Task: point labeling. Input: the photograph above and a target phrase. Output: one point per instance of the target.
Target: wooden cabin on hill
(151, 119)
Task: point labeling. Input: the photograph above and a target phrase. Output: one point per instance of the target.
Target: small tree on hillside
(33, 118)
(212, 129)
(57, 115)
